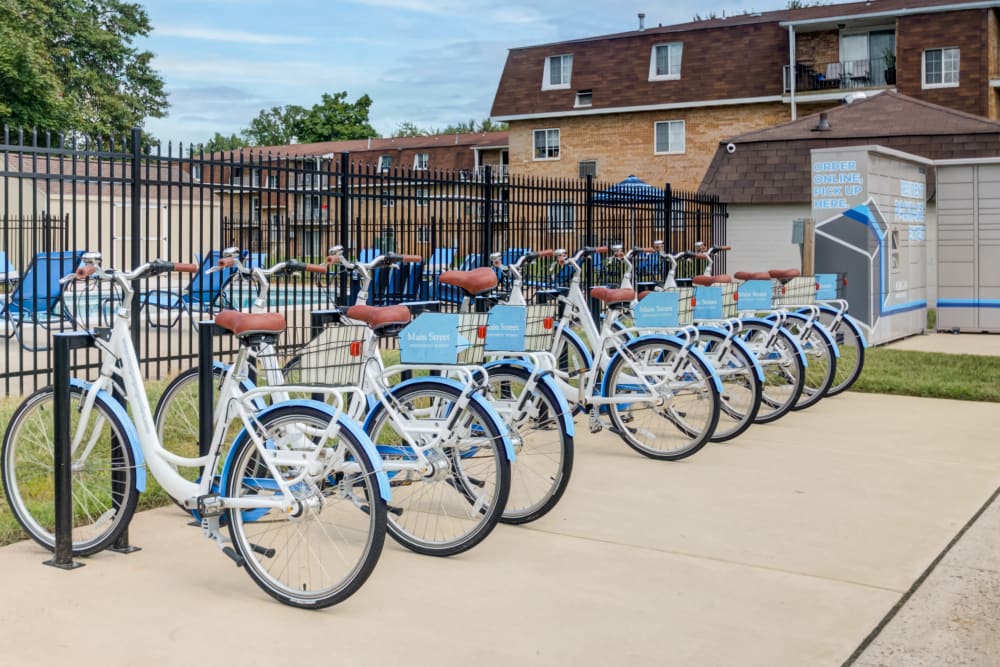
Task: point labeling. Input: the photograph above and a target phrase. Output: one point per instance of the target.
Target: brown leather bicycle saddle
(249, 324)
(378, 317)
(784, 274)
(611, 296)
(752, 275)
(711, 280)
(474, 282)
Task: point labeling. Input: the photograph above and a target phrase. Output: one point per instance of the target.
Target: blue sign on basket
(658, 310)
(708, 303)
(432, 338)
(505, 327)
(755, 295)
(826, 286)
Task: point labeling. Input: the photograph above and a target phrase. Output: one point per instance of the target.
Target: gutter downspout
(791, 68)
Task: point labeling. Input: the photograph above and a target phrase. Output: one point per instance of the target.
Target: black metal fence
(134, 203)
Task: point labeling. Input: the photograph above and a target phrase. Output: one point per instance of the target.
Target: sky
(428, 62)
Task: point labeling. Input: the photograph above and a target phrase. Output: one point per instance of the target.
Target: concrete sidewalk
(948, 343)
(786, 547)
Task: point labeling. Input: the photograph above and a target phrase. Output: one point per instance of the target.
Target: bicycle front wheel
(544, 448)
(784, 372)
(322, 551)
(741, 387)
(821, 356)
(667, 403)
(852, 351)
(102, 469)
(453, 506)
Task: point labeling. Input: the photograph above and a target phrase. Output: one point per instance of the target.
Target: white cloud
(239, 36)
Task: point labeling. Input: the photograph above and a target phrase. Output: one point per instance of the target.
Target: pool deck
(787, 547)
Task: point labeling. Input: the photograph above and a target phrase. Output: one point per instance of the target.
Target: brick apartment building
(655, 102)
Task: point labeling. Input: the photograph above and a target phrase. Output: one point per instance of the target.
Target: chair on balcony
(858, 71)
(832, 75)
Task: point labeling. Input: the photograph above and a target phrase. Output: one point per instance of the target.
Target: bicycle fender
(130, 432)
(489, 409)
(823, 331)
(853, 323)
(795, 341)
(342, 421)
(695, 352)
(740, 343)
(565, 411)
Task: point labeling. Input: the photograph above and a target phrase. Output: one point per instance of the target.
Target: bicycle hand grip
(647, 249)
(545, 253)
(184, 267)
(724, 248)
(86, 271)
(702, 255)
(334, 259)
(226, 262)
(601, 249)
(412, 258)
(316, 268)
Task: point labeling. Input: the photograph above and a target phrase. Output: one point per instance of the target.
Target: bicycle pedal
(392, 509)
(210, 505)
(263, 551)
(238, 559)
(595, 422)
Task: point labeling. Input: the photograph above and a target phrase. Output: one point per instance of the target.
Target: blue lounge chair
(37, 299)
(206, 293)
(8, 274)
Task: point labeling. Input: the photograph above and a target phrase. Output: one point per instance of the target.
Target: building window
(196, 172)
(423, 196)
(669, 137)
(255, 209)
(546, 144)
(557, 72)
(255, 177)
(423, 234)
(588, 168)
(272, 181)
(420, 161)
(560, 216)
(384, 162)
(940, 68)
(665, 61)
(388, 198)
(584, 98)
(236, 175)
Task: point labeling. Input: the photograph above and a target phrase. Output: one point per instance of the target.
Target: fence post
(345, 219)
(487, 239)
(136, 228)
(206, 383)
(668, 195)
(62, 343)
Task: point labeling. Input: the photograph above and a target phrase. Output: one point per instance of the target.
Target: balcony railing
(499, 172)
(842, 75)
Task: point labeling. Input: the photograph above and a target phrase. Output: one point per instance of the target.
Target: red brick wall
(817, 47)
(966, 30)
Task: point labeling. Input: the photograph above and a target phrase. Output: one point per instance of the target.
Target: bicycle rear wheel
(103, 483)
(666, 407)
(323, 551)
(544, 448)
(453, 508)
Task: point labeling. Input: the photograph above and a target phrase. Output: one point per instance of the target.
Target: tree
(332, 119)
(409, 129)
(220, 142)
(69, 65)
(276, 126)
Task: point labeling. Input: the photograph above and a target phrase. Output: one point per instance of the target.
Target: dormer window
(665, 61)
(557, 72)
(584, 98)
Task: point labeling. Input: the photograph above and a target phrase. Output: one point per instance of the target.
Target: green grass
(964, 377)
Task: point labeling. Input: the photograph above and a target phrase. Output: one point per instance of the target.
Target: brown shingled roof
(772, 165)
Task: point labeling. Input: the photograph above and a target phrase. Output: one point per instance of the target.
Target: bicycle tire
(339, 518)
(742, 389)
(457, 510)
(573, 360)
(784, 371)
(103, 487)
(543, 445)
(821, 367)
(850, 340)
(689, 412)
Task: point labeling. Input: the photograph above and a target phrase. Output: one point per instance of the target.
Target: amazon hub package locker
(968, 203)
(869, 206)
